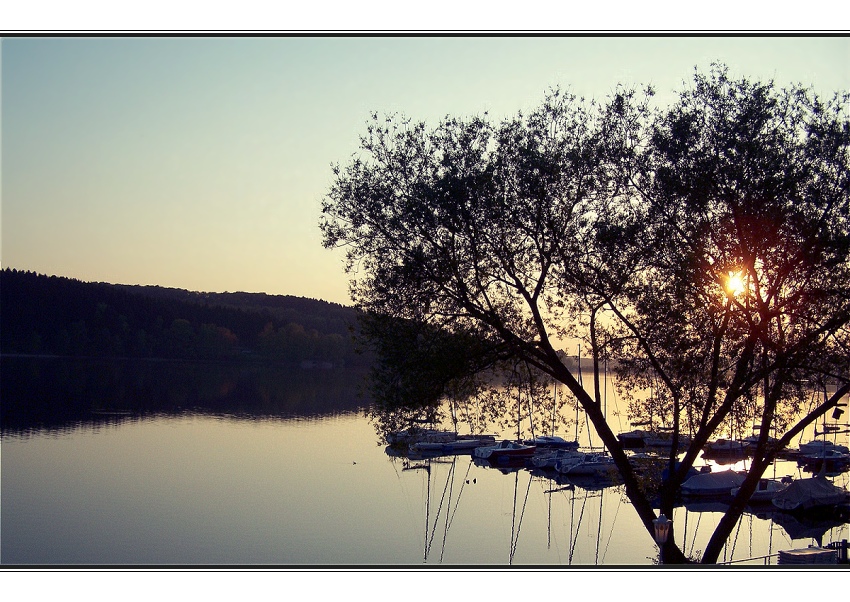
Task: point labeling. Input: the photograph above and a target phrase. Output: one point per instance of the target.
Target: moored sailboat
(504, 449)
(550, 458)
(463, 443)
(588, 464)
(766, 490)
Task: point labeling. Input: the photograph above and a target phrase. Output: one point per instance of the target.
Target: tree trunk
(671, 553)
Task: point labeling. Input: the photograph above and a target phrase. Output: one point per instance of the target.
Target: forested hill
(62, 316)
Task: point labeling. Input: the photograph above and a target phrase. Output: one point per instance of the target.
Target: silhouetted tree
(704, 246)
(743, 307)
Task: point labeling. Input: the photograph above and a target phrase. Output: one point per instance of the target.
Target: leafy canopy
(703, 245)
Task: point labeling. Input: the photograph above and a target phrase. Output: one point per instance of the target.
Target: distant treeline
(61, 316)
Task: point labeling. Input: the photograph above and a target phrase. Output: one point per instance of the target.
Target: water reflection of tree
(427, 375)
(47, 393)
(510, 397)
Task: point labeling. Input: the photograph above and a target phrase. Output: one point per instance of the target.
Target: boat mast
(605, 400)
(580, 383)
(518, 410)
(530, 401)
(554, 405)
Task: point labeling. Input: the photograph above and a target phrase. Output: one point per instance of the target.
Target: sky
(201, 163)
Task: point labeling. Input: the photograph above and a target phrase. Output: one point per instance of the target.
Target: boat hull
(504, 450)
(457, 446)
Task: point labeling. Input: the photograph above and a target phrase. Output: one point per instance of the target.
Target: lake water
(155, 463)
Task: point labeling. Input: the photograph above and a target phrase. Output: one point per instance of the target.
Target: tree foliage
(703, 245)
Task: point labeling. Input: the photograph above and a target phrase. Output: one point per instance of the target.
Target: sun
(735, 284)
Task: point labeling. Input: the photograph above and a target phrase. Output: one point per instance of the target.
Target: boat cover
(809, 493)
(713, 483)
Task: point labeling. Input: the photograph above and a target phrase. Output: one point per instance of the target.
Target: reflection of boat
(504, 450)
(708, 484)
(503, 465)
(701, 505)
(594, 482)
(395, 451)
(805, 494)
(724, 458)
(813, 524)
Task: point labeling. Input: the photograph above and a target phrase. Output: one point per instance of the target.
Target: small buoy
(354, 462)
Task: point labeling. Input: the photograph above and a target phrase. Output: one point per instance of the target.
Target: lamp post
(662, 526)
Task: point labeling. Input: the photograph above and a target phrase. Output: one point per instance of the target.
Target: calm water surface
(288, 480)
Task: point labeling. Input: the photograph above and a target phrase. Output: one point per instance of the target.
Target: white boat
(712, 483)
(725, 446)
(462, 443)
(589, 464)
(567, 461)
(504, 449)
(751, 442)
(633, 439)
(639, 438)
(665, 440)
(805, 494)
(420, 435)
(470, 442)
(549, 458)
(553, 442)
(820, 446)
(766, 489)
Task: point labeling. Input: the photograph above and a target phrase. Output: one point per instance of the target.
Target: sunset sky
(201, 163)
